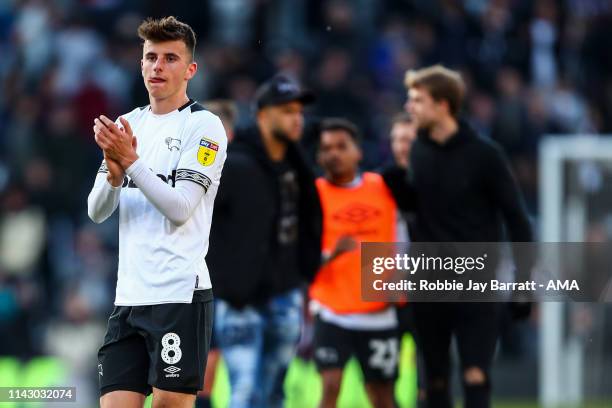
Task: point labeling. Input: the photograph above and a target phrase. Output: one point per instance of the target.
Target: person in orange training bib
(357, 207)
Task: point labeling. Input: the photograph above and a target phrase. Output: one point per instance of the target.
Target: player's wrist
(127, 161)
(114, 180)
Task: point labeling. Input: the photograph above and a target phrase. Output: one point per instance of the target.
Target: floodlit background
(533, 68)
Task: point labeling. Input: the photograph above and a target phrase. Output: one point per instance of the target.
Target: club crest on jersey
(173, 144)
(207, 152)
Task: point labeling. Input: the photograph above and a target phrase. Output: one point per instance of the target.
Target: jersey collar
(187, 104)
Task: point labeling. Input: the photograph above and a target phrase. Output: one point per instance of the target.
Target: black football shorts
(377, 351)
(163, 346)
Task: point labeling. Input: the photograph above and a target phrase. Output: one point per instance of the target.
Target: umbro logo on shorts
(326, 355)
(172, 371)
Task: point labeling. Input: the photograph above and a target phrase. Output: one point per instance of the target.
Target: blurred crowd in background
(532, 67)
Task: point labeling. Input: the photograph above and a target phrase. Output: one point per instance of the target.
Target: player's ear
(319, 156)
(191, 70)
(260, 114)
(142, 67)
(444, 105)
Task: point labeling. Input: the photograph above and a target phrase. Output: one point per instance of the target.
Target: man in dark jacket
(265, 242)
(460, 189)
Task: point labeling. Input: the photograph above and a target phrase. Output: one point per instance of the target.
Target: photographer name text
(475, 286)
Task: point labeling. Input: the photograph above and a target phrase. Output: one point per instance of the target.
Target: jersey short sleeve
(204, 152)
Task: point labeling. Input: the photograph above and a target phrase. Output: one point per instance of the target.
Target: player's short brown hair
(441, 83)
(167, 29)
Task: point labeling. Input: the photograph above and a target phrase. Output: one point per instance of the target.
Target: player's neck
(342, 180)
(167, 105)
(444, 130)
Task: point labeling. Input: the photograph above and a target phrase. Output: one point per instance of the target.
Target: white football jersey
(160, 262)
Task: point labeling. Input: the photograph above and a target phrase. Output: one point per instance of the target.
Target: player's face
(339, 155)
(402, 136)
(166, 68)
(286, 121)
(424, 109)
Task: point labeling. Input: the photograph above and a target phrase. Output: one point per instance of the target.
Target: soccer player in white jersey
(164, 185)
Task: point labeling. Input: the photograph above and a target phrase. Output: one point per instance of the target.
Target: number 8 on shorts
(171, 352)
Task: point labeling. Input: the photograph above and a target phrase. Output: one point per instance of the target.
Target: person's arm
(507, 197)
(345, 244)
(178, 203)
(397, 180)
(104, 197)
